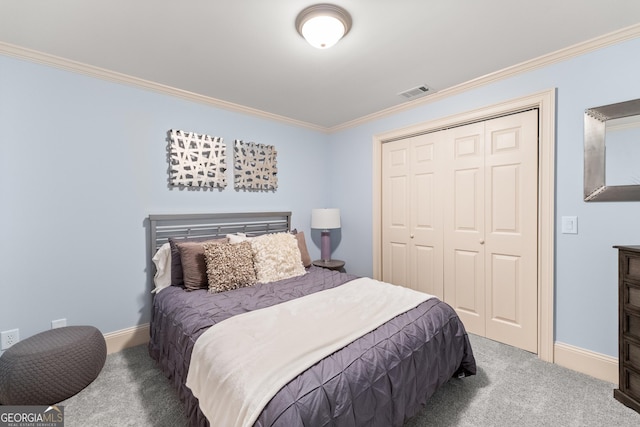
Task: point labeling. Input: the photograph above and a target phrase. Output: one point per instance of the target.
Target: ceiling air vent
(416, 92)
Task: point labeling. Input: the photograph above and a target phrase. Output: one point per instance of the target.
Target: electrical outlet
(60, 323)
(9, 338)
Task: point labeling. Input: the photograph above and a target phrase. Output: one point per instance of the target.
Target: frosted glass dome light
(323, 25)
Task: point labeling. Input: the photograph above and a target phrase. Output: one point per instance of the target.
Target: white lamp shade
(325, 219)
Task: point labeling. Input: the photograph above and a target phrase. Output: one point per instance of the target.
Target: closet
(459, 221)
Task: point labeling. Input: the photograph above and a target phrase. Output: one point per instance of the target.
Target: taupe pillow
(176, 264)
(229, 266)
(194, 267)
(302, 246)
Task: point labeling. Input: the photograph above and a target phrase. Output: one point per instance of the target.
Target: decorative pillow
(302, 247)
(229, 266)
(176, 264)
(238, 237)
(162, 261)
(276, 256)
(194, 267)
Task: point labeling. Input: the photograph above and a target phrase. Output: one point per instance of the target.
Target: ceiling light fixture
(323, 25)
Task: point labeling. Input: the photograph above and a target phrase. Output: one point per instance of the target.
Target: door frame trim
(545, 103)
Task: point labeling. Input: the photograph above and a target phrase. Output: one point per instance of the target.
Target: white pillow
(238, 237)
(276, 256)
(162, 261)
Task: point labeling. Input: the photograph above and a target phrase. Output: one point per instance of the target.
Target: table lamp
(325, 219)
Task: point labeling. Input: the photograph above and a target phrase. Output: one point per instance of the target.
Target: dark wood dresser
(629, 326)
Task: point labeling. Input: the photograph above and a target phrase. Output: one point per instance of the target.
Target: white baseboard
(588, 362)
(125, 338)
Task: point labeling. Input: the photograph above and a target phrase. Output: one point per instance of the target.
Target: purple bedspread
(381, 379)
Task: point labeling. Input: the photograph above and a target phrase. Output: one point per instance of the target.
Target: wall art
(255, 166)
(196, 160)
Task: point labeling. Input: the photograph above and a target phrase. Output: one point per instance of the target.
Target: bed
(382, 378)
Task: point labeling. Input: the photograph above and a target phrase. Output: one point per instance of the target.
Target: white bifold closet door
(412, 250)
(459, 221)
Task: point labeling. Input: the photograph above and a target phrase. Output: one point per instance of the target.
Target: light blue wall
(586, 264)
(83, 163)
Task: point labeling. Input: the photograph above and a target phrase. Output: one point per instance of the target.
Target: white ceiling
(248, 52)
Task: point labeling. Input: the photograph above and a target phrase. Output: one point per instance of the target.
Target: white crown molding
(113, 76)
(624, 34)
(621, 35)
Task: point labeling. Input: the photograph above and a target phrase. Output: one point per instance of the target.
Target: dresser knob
(482, 241)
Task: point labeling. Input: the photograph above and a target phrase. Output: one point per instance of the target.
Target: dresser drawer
(631, 354)
(631, 295)
(630, 383)
(632, 270)
(631, 326)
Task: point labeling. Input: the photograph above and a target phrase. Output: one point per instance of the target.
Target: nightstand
(332, 264)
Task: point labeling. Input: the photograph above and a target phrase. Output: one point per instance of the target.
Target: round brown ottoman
(51, 366)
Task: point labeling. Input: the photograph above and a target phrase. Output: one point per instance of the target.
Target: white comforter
(239, 364)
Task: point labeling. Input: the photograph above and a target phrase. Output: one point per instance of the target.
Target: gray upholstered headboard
(177, 226)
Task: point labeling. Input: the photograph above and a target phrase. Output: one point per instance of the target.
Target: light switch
(570, 225)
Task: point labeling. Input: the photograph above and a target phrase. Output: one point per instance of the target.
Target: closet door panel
(466, 280)
(464, 225)
(466, 184)
(424, 273)
(397, 265)
(505, 289)
(426, 270)
(426, 215)
(395, 212)
(505, 199)
(511, 229)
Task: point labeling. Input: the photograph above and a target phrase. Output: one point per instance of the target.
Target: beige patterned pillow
(276, 256)
(229, 266)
